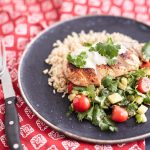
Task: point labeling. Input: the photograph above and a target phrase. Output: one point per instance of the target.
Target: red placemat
(20, 21)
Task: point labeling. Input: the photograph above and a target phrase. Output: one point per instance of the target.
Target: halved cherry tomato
(146, 65)
(70, 87)
(143, 85)
(81, 103)
(119, 114)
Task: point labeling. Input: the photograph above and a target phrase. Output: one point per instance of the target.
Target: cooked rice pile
(71, 43)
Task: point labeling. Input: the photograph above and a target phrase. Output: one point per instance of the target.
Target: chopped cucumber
(124, 81)
(85, 93)
(147, 71)
(139, 99)
(115, 98)
(75, 92)
(142, 109)
(141, 118)
(122, 86)
(71, 97)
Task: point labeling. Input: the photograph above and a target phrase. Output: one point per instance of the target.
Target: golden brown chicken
(126, 62)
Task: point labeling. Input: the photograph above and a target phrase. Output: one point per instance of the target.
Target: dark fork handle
(12, 124)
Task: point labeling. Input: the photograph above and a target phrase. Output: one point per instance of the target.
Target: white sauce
(94, 58)
(123, 49)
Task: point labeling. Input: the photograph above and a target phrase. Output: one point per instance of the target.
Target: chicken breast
(126, 62)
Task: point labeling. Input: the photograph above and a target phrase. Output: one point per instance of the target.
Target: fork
(12, 129)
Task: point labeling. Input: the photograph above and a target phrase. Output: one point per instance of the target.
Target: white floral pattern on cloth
(20, 21)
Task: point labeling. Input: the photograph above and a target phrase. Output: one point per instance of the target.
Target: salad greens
(89, 91)
(110, 84)
(103, 99)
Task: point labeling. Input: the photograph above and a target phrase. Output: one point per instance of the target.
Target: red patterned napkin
(20, 21)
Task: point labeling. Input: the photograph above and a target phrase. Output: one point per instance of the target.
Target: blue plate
(51, 108)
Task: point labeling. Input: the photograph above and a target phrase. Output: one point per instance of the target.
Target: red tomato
(81, 103)
(119, 114)
(70, 87)
(146, 65)
(143, 85)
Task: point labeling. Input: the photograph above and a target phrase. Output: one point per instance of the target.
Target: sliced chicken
(126, 62)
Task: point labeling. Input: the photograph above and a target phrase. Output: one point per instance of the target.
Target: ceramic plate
(51, 108)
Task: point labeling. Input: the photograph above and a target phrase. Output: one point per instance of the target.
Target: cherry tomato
(81, 103)
(143, 85)
(119, 114)
(146, 65)
(70, 87)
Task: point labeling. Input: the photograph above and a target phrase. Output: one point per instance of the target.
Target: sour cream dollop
(94, 58)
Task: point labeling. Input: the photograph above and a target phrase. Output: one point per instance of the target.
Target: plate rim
(67, 133)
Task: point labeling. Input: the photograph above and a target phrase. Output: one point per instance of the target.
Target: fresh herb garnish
(108, 49)
(146, 51)
(89, 91)
(147, 99)
(132, 108)
(111, 61)
(79, 60)
(86, 44)
(70, 111)
(110, 84)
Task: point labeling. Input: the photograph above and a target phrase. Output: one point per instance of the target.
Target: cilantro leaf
(102, 120)
(131, 109)
(87, 44)
(70, 111)
(79, 89)
(146, 100)
(111, 61)
(98, 115)
(109, 40)
(110, 84)
(90, 114)
(79, 60)
(107, 49)
(146, 51)
(90, 90)
(107, 80)
(102, 101)
(86, 115)
(81, 116)
(111, 126)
